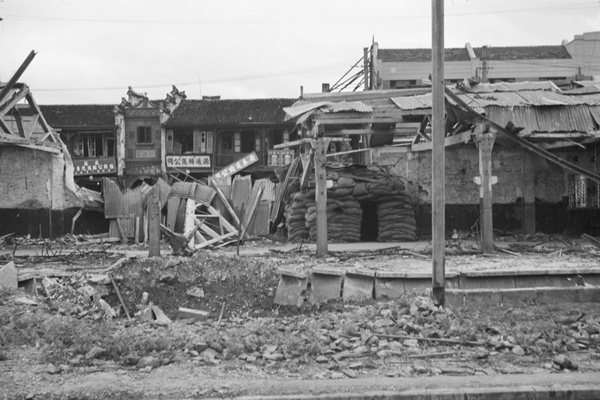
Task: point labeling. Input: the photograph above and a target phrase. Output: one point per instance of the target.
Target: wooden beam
(463, 138)
(215, 240)
(438, 228)
(357, 120)
(226, 202)
(13, 79)
(17, 116)
(560, 144)
(16, 98)
(485, 143)
(293, 143)
(347, 152)
(153, 223)
(32, 125)
(373, 131)
(307, 168)
(213, 211)
(367, 95)
(320, 149)
(42, 121)
(40, 147)
(5, 127)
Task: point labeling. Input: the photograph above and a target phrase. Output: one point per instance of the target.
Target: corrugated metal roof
(79, 115)
(514, 86)
(230, 112)
(343, 106)
(413, 102)
(576, 118)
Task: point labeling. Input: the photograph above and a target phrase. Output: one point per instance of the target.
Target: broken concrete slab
(29, 285)
(291, 287)
(389, 284)
(159, 316)
(358, 284)
(26, 301)
(8, 276)
(190, 313)
(325, 283)
(195, 292)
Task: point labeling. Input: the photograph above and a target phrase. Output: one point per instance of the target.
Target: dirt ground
(66, 343)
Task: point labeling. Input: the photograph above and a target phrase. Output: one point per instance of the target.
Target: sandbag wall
(350, 187)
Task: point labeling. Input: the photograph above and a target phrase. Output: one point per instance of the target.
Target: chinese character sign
(188, 161)
(237, 166)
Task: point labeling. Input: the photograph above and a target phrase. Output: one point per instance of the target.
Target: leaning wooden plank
(591, 239)
(121, 231)
(215, 240)
(226, 202)
(225, 223)
(207, 230)
(199, 237)
(250, 214)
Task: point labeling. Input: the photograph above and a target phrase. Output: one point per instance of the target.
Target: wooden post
(438, 230)
(485, 143)
(153, 224)
(320, 149)
(190, 220)
(366, 67)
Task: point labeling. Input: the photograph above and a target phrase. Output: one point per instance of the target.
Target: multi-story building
(89, 133)
(203, 136)
(141, 139)
(575, 60)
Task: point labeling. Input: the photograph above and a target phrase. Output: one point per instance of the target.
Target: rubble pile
(351, 189)
(81, 295)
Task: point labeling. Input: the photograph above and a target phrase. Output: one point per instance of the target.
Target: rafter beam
(10, 104)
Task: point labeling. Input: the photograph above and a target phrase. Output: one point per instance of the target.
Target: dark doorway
(369, 226)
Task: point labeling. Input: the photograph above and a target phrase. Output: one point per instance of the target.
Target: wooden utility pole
(438, 230)
(153, 223)
(485, 143)
(320, 149)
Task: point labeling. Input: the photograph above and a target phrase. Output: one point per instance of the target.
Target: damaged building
(544, 176)
(38, 191)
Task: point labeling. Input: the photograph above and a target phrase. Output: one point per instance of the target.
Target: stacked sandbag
(347, 188)
(396, 220)
(344, 216)
(295, 210)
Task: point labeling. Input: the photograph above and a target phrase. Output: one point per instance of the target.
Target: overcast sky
(90, 51)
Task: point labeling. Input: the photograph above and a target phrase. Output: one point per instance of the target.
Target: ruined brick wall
(517, 170)
(26, 175)
(530, 194)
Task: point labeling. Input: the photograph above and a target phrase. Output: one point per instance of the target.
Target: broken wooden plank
(222, 220)
(250, 214)
(226, 202)
(215, 240)
(591, 239)
(449, 141)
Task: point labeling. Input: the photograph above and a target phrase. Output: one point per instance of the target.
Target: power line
(379, 18)
(224, 80)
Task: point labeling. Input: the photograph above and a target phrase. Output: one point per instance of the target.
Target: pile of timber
(348, 188)
(195, 215)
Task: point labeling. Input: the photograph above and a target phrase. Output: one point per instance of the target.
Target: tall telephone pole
(438, 230)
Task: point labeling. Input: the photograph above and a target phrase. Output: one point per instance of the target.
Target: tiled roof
(524, 53)
(216, 113)
(461, 54)
(422, 55)
(79, 115)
